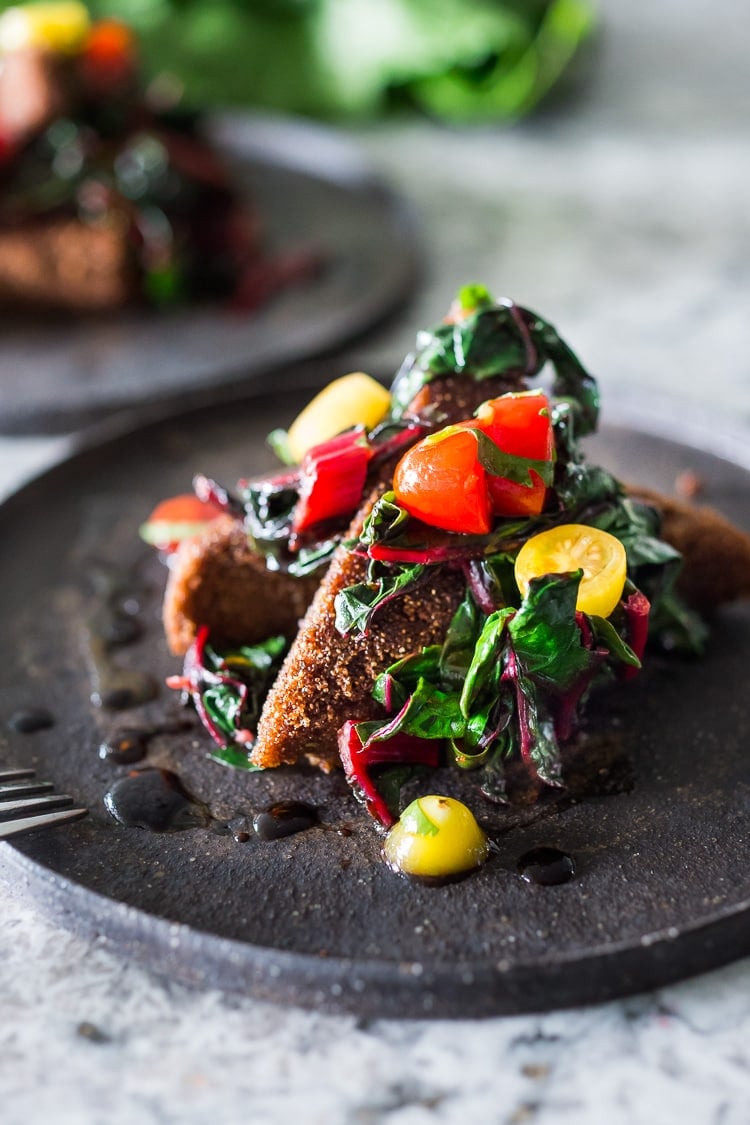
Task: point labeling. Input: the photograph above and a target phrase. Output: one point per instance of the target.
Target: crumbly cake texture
(327, 677)
(68, 264)
(219, 580)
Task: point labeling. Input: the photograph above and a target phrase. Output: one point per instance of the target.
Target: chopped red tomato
(518, 424)
(109, 55)
(332, 477)
(179, 517)
(439, 480)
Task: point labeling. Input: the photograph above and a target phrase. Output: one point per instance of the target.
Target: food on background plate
(491, 59)
(111, 195)
(471, 576)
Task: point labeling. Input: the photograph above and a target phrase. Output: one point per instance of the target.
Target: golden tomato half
(574, 546)
(436, 838)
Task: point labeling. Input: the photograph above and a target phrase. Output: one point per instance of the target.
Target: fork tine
(24, 789)
(11, 810)
(15, 774)
(10, 828)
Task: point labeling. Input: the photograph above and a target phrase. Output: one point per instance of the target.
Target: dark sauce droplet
(241, 829)
(130, 744)
(155, 800)
(125, 747)
(31, 719)
(285, 818)
(111, 626)
(117, 629)
(547, 867)
(114, 687)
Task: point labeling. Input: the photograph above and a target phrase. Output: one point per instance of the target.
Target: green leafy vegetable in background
(454, 59)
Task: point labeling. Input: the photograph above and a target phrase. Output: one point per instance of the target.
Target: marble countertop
(624, 219)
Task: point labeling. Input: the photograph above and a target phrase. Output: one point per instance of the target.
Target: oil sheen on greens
(454, 59)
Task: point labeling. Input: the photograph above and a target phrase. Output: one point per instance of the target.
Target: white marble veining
(626, 222)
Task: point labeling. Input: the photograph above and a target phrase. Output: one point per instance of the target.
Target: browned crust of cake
(327, 678)
(64, 263)
(218, 580)
(716, 567)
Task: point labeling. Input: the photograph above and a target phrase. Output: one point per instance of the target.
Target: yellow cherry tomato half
(436, 838)
(352, 400)
(61, 27)
(574, 546)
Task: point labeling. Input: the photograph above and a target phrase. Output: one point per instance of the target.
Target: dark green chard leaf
(392, 779)
(486, 660)
(385, 522)
(491, 341)
(485, 727)
(676, 627)
(309, 559)
(545, 635)
(228, 687)
(458, 646)
(234, 757)
(607, 637)
(572, 382)
(269, 505)
(429, 713)
(537, 739)
(581, 488)
(356, 605)
(494, 784)
(654, 567)
(501, 339)
(498, 463)
(498, 575)
(393, 686)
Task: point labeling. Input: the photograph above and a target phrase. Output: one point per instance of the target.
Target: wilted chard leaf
(228, 687)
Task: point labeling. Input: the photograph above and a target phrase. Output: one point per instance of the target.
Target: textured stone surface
(625, 221)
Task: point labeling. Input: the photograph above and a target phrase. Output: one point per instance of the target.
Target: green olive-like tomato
(436, 838)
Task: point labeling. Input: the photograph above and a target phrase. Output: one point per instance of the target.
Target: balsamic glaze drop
(127, 746)
(241, 829)
(113, 687)
(30, 719)
(285, 818)
(155, 800)
(547, 867)
(113, 625)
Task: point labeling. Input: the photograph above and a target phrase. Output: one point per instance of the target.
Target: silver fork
(27, 804)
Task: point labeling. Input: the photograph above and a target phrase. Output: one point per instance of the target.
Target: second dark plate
(312, 188)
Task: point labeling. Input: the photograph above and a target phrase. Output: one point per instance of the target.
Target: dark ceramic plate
(312, 190)
(657, 819)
